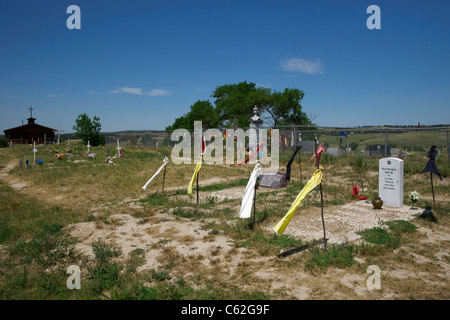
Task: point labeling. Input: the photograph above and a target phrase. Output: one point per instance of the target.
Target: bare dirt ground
(420, 269)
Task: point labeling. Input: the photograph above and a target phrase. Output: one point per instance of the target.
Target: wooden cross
(88, 146)
(59, 134)
(34, 151)
(118, 148)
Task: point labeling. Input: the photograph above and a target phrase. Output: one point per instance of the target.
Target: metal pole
(385, 143)
(448, 148)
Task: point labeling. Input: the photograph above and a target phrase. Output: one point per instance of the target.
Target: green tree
(89, 130)
(203, 111)
(235, 102)
(284, 108)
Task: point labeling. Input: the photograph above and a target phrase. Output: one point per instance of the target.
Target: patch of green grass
(6, 231)
(270, 244)
(339, 256)
(401, 226)
(192, 214)
(156, 199)
(380, 236)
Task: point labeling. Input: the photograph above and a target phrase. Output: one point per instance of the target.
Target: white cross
(34, 151)
(68, 142)
(118, 148)
(88, 146)
(59, 134)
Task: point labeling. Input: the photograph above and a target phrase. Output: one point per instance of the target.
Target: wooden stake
(254, 205)
(432, 190)
(197, 185)
(321, 200)
(164, 178)
(300, 162)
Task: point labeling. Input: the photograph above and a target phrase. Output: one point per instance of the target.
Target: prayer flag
(312, 183)
(319, 151)
(288, 168)
(249, 193)
(197, 169)
(431, 164)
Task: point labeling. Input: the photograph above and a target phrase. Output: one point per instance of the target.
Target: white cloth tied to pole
(249, 193)
(166, 160)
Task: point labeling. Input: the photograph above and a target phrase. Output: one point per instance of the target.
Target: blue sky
(140, 64)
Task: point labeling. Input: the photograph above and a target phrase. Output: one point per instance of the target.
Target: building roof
(28, 126)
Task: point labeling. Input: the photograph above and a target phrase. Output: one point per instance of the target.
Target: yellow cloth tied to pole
(315, 180)
(197, 169)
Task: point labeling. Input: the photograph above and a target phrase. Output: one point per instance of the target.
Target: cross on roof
(31, 111)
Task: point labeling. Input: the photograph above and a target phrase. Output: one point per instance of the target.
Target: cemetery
(226, 231)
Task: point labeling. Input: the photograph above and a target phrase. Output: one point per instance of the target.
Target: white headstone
(390, 187)
(88, 146)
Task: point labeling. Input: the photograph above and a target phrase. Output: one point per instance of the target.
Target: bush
(4, 143)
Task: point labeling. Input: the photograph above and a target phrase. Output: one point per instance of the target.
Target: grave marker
(273, 180)
(34, 150)
(118, 148)
(390, 186)
(88, 146)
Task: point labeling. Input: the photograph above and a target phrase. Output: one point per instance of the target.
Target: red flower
(355, 191)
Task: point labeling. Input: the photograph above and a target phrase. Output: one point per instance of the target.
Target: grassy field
(75, 212)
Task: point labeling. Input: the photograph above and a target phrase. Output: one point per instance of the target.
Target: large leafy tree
(234, 105)
(89, 130)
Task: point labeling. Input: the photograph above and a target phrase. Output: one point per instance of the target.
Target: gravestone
(390, 185)
(334, 151)
(308, 146)
(379, 149)
(273, 180)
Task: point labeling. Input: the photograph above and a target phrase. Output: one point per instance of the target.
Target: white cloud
(93, 92)
(201, 90)
(158, 92)
(128, 90)
(302, 65)
(51, 95)
(139, 91)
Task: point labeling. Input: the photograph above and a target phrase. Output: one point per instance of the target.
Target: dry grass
(211, 249)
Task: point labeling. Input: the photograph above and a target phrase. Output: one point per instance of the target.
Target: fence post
(448, 148)
(385, 143)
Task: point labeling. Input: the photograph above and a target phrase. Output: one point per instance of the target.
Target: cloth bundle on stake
(196, 170)
(165, 161)
(431, 167)
(194, 176)
(311, 184)
(288, 168)
(247, 199)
